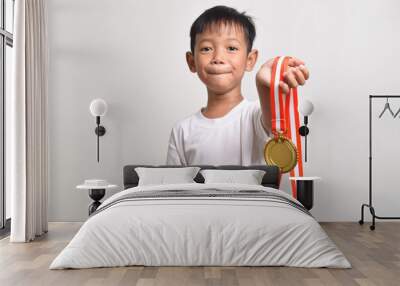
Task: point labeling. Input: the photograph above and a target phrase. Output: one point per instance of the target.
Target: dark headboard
(271, 178)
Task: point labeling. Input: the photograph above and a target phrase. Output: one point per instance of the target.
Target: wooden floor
(374, 255)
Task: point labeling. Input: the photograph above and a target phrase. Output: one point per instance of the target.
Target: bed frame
(271, 178)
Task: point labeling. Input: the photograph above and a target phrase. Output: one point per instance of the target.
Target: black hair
(226, 15)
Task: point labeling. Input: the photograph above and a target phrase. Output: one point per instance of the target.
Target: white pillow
(161, 176)
(249, 176)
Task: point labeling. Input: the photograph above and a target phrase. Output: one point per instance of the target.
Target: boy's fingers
(299, 76)
(284, 87)
(293, 62)
(305, 71)
(290, 79)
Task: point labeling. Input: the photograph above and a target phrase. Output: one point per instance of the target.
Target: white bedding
(200, 231)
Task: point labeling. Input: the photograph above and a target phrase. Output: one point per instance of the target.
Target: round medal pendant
(280, 151)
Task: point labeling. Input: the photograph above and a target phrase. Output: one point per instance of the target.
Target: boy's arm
(263, 80)
(263, 94)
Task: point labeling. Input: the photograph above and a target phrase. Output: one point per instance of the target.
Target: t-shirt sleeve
(175, 154)
(261, 132)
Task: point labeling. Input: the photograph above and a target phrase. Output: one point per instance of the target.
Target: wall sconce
(305, 108)
(98, 108)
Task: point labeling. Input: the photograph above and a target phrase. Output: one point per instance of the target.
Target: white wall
(132, 54)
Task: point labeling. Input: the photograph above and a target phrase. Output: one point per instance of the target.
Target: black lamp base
(100, 130)
(303, 130)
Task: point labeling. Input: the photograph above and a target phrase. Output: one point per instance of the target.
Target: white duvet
(200, 231)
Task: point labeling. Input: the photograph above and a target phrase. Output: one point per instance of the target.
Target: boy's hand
(295, 75)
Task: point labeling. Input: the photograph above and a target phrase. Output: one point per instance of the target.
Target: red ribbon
(285, 114)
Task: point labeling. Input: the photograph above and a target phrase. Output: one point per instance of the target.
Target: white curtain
(27, 122)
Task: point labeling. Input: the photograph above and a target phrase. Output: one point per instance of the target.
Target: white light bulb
(306, 107)
(98, 107)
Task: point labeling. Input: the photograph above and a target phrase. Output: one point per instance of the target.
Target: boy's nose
(217, 61)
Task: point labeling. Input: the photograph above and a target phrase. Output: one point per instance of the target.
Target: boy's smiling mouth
(221, 73)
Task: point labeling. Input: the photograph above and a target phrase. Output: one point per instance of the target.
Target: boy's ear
(251, 59)
(190, 61)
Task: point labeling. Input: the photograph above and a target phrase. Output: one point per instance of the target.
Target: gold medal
(281, 151)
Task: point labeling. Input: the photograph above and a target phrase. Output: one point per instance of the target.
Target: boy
(230, 129)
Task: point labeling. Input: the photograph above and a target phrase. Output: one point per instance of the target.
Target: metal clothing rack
(369, 205)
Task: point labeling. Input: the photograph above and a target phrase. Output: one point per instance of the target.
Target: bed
(201, 224)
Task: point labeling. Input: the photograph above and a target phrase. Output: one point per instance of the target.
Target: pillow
(249, 176)
(161, 176)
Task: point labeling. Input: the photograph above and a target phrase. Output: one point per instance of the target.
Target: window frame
(6, 39)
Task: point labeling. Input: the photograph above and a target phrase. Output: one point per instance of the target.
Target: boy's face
(220, 57)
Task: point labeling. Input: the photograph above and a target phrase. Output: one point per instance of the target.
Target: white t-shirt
(237, 138)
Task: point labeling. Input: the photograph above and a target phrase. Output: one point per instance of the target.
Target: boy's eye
(231, 48)
(205, 49)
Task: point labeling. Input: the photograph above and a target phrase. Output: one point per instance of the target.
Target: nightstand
(97, 190)
(305, 190)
